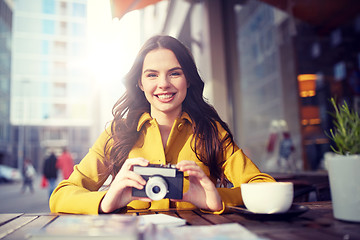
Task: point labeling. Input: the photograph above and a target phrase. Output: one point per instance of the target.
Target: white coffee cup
(268, 197)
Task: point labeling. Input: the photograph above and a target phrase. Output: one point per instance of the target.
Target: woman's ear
(140, 85)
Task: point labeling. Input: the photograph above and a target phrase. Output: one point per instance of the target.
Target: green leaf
(346, 132)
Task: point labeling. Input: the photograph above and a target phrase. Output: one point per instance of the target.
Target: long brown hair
(208, 145)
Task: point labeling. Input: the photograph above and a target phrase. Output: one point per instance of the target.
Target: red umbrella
(120, 7)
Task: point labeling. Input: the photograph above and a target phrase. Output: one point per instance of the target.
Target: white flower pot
(344, 174)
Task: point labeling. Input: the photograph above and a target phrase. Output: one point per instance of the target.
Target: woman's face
(163, 82)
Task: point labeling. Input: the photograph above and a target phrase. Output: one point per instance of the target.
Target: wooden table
(316, 223)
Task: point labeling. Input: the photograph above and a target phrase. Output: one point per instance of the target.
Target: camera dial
(156, 188)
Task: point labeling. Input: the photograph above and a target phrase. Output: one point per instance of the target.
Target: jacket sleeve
(238, 169)
(79, 194)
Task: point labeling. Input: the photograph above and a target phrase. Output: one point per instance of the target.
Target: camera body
(162, 181)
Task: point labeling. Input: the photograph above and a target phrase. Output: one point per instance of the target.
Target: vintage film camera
(162, 181)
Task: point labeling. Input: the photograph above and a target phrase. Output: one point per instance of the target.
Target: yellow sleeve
(79, 194)
(238, 169)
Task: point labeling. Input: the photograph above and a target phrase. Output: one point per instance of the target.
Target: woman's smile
(166, 97)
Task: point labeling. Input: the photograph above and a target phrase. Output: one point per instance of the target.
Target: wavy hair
(208, 145)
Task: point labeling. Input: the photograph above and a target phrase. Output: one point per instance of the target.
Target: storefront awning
(120, 7)
(324, 14)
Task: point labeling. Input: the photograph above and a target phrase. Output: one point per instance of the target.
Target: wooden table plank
(192, 218)
(7, 217)
(240, 219)
(35, 225)
(15, 224)
(216, 219)
(283, 236)
(170, 213)
(315, 234)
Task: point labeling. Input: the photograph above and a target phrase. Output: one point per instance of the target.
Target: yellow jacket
(80, 193)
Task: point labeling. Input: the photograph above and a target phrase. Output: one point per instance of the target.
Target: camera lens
(156, 188)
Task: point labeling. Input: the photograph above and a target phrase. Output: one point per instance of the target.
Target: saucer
(294, 211)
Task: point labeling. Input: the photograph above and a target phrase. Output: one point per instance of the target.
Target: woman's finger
(185, 165)
(136, 177)
(195, 173)
(129, 163)
(193, 170)
(186, 162)
(121, 179)
(132, 183)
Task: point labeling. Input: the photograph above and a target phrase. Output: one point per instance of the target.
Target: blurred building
(266, 62)
(6, 13)
(51, 89)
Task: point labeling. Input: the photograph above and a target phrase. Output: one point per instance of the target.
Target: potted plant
(344, 165)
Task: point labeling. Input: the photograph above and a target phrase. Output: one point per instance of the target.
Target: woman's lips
(166, 97)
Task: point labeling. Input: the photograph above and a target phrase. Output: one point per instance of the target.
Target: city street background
(14, 201)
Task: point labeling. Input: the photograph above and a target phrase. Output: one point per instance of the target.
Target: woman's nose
(164, 81)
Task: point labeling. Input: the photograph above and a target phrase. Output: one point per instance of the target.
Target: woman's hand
(202, 191)
(119, 193)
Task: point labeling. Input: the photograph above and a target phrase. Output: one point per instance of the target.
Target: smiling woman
(162, 118)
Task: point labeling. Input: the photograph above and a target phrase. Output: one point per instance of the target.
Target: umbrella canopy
(120, 7)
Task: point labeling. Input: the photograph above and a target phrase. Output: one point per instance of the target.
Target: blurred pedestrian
(28, 176)
(50, 172)
(65, 163)
(286, 150)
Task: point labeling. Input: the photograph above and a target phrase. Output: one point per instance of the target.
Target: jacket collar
(145, 117)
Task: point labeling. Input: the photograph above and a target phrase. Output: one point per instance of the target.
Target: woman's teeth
(165, 96)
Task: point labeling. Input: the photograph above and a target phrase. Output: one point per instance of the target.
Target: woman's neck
(165, 119)
(165, 122)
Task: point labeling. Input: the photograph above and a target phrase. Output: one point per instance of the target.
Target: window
(60, 48)
(78, 29)
(63, 8)
(48, 6)
(59, 89)
(4, 83)
(63, 28)
(4, 108)
(45, 69)
(60, 68)
(45, 47)
(48, 26)
(2, 131)
(46, 110)
(79, 10)
(45, 89)
(54, 134)
(59, 110)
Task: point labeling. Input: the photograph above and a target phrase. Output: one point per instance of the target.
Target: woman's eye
(175, 74)
(151, 75)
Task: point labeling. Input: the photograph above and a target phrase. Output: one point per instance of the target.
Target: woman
(162, 118)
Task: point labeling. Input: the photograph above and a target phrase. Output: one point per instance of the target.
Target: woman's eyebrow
(171, 69)
(175, 68)
(149, 70)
